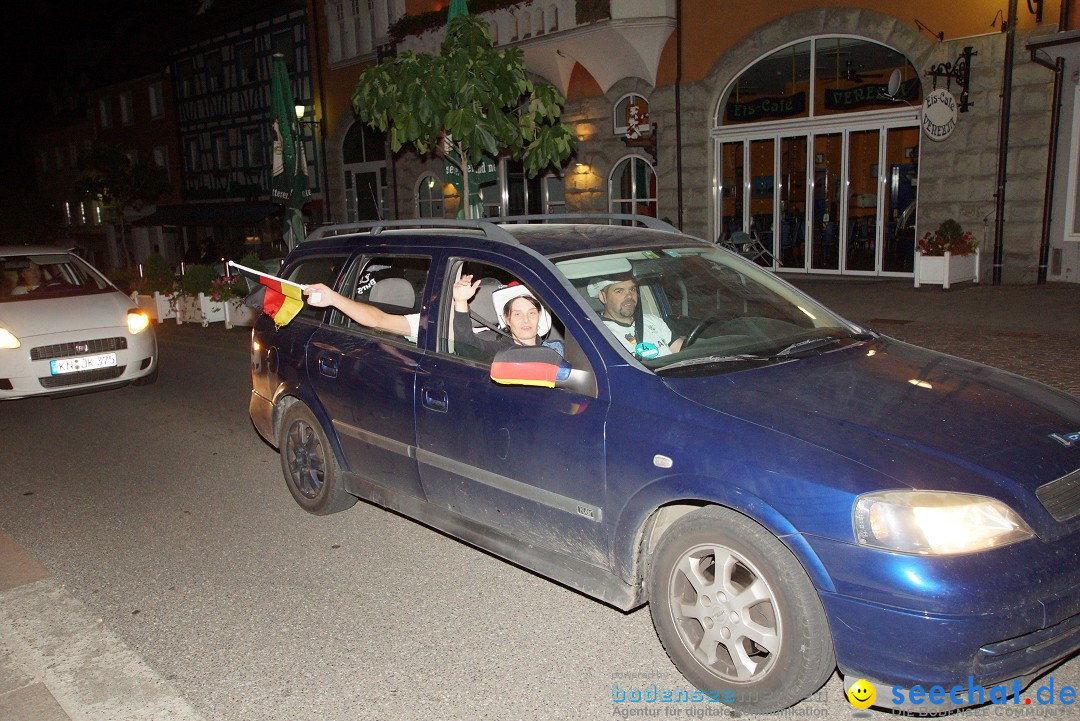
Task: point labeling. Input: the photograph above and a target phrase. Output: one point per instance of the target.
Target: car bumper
(261, 411)
(26, 371)
(985, 619)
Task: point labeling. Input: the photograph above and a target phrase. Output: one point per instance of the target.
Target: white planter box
(236, 313)
(157, 306)
(199, 309)
(944, 270)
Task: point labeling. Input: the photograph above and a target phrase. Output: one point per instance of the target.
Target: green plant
(198, 279)
(251, 259)
(126, 279)
(469, 101)
(228, 288)
(157, 276)
(951, 238)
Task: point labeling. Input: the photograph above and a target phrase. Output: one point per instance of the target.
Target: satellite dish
(894, 83)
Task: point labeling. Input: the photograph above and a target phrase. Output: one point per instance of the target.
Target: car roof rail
(488, 226)
(647, 220)
(376, 227)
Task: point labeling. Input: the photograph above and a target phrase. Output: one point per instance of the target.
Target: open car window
(392, 283)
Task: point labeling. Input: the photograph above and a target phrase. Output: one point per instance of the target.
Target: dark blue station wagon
(791, 493)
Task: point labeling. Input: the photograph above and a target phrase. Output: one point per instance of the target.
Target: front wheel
(737, 613)
(309, 464)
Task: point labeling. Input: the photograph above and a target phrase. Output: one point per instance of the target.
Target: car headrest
(507, 293)
(482, 304)
(393, 291)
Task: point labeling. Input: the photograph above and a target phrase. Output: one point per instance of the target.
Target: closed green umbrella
(289, 180)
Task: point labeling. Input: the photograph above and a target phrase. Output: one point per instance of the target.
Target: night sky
(49, 41)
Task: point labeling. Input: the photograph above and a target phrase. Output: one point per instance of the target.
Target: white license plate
(86, 363)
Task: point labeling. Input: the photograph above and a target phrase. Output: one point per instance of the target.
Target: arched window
(819, 77)
(526, 24)
(540, 27)
(553, 18)
(632, 187)
(429, 197)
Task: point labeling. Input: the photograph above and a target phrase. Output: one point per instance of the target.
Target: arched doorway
(817, 160)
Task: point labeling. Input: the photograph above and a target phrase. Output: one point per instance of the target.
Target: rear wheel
(309, 464)
(737, 614)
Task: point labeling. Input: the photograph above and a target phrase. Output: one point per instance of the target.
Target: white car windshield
(47, 275)
(696, 310)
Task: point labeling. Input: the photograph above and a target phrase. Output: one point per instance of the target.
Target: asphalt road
(163, 512)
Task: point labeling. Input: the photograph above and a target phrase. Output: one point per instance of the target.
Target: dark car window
(47, 275)
(392, 283)
(320, 269)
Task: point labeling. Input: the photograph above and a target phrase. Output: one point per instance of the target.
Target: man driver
(620, 299)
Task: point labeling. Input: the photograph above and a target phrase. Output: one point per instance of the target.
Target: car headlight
(8, 339)
(935, 523)
(137, 321)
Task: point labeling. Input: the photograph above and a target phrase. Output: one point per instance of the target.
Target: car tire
(147, 380)
(311, 469)
(754, 636)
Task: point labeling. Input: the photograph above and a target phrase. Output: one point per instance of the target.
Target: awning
(210, 214)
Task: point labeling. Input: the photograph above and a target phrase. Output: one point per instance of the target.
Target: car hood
(925, 419)
(28, 318)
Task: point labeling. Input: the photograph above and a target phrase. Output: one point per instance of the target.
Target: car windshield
(47, 275)
(699, 310)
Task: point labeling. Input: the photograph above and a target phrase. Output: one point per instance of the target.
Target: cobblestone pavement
(1030, 330)
(1051, 359)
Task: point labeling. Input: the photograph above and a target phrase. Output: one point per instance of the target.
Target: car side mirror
(531, 366)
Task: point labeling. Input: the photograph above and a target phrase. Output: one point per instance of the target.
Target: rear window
(47, 275)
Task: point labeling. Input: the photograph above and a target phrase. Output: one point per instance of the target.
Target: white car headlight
(8, 339)
(935, 523)
(137, 321)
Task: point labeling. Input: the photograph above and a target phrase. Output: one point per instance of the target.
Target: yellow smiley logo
(862, 694)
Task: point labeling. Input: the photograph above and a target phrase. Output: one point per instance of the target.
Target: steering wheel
(704, 323)
(50, 285)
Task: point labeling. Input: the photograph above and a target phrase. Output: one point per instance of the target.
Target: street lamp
(317, 139)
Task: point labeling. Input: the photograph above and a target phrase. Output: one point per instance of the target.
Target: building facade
(221, 79)
(778, 119)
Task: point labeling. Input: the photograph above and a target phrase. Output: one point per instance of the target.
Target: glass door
(901, 184)
(762, 192)
(825, 210)
(790, 250)
(860, 238)
(732, 191)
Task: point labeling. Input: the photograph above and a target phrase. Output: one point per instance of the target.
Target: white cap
(501, 296)
(596, 286)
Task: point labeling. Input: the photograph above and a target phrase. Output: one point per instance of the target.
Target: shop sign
(939, 114)
(870, 94)
(781, 107)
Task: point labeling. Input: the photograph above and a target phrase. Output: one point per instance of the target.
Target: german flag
(529, 366)
(281, 299)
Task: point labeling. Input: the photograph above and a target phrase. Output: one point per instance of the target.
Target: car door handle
(436, 401)
(328, 365)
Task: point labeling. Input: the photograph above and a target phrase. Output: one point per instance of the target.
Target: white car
(64, 328)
